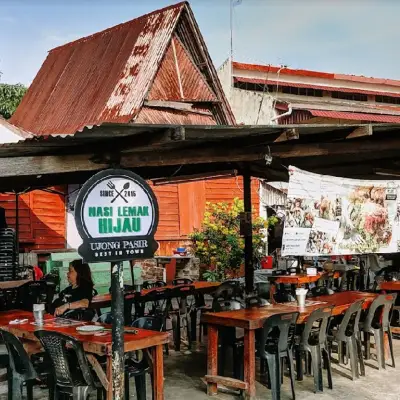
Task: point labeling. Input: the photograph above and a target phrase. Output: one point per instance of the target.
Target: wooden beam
(44, 165)
(199, 155)
(288, 134)
(51, 165)
(365, 130)
(339, 148)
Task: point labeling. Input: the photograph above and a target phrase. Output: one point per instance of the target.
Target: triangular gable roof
(106, 77)
(178, 79)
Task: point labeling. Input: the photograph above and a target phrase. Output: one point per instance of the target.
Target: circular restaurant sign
(116, 214)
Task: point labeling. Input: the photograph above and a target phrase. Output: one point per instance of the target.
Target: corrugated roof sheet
(106, 77)
(99, 78)
(356, 116)
(312, 86)
(148, 115)
(178, 79)
(314, 74)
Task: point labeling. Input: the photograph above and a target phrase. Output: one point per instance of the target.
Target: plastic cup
(38, 313)
(301, 296)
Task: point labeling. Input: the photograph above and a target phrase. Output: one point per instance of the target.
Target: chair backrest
(228, 290)
(182, 281)
(153, 284)
(277, 334)
(253, 301)
(160, 299)
(150, 323)
(35, 292)
(226, 305)
(105, 318)
(56, 346)
(316, 327)
(350, 322)
(19, 361)
(378, 313)
(80, 314)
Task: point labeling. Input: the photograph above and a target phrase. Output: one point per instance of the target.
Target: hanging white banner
(327, 215)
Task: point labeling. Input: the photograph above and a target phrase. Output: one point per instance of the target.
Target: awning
(394, 119)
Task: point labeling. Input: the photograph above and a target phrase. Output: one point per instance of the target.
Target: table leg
(250, 364)
(212, 358)
(272, 292)
(109, 378)
(158, 373)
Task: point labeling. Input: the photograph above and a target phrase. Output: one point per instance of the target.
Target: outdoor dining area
(297, 334)
(237, 342)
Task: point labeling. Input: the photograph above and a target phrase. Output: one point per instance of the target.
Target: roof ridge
(118, 26)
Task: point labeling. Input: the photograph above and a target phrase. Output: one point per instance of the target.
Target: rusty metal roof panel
(178, 79)
(148, 115)
(100, 78)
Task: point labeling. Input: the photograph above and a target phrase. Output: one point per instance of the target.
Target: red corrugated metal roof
(178, 79)
(148, 115)
(315, 74)
(355, 116)
(311, 86)
(105, 77)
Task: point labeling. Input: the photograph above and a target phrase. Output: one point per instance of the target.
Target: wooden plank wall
(42, 220)
(43, 216)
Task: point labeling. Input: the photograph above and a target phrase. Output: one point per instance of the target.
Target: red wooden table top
(91, 343)
(392, 285)
(104, 300)
(297, 279)
(254, 318)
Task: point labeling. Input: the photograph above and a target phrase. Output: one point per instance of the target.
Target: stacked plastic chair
(8, 254)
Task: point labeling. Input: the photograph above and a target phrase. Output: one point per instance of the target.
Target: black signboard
(116, 214)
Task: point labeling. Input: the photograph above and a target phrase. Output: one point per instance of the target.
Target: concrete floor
(184, 372)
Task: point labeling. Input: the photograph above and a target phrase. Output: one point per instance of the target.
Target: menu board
(327, 215)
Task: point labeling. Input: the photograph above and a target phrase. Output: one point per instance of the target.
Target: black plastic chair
(153, 284)
(227, 339)
(107, 318)
(36, 292)
(20, 369)
(160, 304)
(228, 290)
(71, 370)
(182, 281)
(377, 323)
(184, 297)
(138, 369)
(80, 314)
(348, 334)
(275, 344)
(313, 342)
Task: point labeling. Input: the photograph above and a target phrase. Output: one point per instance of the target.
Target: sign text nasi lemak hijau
(116, 214)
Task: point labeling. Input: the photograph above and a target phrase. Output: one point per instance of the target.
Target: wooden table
(13, 284)
(99, 345)
(390, 285)
(104, 300)
(254, 318)
(296, 280)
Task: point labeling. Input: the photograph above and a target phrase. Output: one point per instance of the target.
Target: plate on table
(90, 329)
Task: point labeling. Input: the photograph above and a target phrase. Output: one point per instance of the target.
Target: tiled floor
(184, 372)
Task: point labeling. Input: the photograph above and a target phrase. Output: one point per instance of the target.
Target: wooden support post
(117, 309)
(248, 236)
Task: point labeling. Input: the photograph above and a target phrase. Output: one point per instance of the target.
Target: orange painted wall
(42, 216)
(42, 221)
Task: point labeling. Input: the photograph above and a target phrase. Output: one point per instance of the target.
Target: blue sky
(353, 36)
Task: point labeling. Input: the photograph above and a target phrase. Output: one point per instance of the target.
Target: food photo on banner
(116, 214)
(328, 215)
